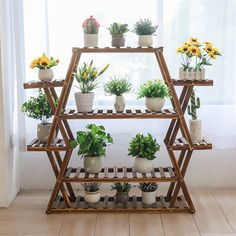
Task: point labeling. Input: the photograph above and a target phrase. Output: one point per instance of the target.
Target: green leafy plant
(194, 105)
(153, 88)
(148, 187)
(117, 85)
(119, 187)
(144, 27)
(117, 29)
(86, 77)
(91, 187)
(37, 108)
(143, 146)
(92, 142)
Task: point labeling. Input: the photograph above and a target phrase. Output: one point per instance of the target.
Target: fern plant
(144, 27)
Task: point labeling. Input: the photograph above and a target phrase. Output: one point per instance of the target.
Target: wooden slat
(32, 142)
(77, 202)
(134, 173)
(162, 173)
(125, 172)
(106, 172)
(172, 174)
(135, 204)
(56, 202)
(115, 172)
(68, 172)
(163, 202)
(192, 82)
(77, 172)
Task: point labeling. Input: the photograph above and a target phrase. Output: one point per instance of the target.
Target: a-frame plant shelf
(64, 198)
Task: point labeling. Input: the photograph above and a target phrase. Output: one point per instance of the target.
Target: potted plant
(92, 194)
(90, 27)
(92, 146)
(143, 148)
(195, 56)
(118, 86)
(122, 191)
(195, 124)
(44, 63)
(148, 192)
(86, 77)
(145, 29)
(117, 32)
(38, 108)
(155, 92)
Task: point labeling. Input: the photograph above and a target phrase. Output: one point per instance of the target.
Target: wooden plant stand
(64, 198)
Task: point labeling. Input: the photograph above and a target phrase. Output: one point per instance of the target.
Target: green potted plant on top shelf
(148, 192)
(195, 124)
(92, 194)
(117, 32)
(155, 92)
(143, 148)
(122, 191)
(118, 85)
(92, 146)
(38, 108)
(145, 29)
(86, 77)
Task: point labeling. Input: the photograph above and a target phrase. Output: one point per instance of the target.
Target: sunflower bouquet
(195, 56)
(44, 62)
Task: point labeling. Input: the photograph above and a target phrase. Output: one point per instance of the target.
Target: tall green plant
(194, 105)
(117, 29)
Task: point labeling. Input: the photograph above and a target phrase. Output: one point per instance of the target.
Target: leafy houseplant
(195, 56)
(38, 108)
(118, 86)
(117, 32)
(155, 92)
(143, 148)
(92, 146)
(44, 64)
(122, 191)
(90, 28)
(195, 124)
(86, 77)
(92, 194)
(148, 192)
(145, 29)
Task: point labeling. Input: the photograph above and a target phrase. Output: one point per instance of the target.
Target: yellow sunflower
(44, 61)
(33, 63)
(184, 49)
(195, 51)
(209, 48)
(212, 55)
(193, 41)
(178, 50)
(216, 52)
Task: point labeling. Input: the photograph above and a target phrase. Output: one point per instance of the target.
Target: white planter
(154, 104)
(182, 74)
(188, 75)
(149, 197)
(84, 101)
(143, 165)
(92, 197)
(195, 127)
(119, 103)
(202, 76)
(145, 40)
(45, 75)
(43, 131)
(191, 75)
(92, 165)
(90, 40)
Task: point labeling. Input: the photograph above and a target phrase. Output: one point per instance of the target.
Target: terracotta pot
(43, 131)
(84, 101)
(90, 40)
(119, 103)
(118, 41)
(143, 165)
(122, 197)
(149, 197)
(154, 104)
(145, 40)
(45, 75)
(92, 197)
(195, 127)
(92, 165)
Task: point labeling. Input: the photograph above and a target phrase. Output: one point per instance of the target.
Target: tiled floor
(215, 216)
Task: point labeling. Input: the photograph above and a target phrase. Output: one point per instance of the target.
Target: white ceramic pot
(145, 40)
(92, 165)
(90, 40)
(45, 75)
(149, 197)
(84, 101)
(154, 104)
(118, 41)
(43, 131)
(119, 103)
(143, 165)
(202, 76)
(188, 75)
(92, 197)
(182, 74)
(195, 127)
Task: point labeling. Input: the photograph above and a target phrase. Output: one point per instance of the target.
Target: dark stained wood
(38, 84)
(192, 82)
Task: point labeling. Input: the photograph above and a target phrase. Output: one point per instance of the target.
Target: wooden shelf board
(192, 82)
(39, 84)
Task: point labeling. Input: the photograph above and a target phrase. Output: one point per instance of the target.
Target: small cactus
(194, 105)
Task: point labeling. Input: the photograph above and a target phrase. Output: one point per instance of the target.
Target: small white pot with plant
(148, 192)
(195, 56)
(90, 28)
(92, 146)
(143, 149)
(86, 77)
(145, 29)
(117, 32)
(38, 108)
(195, 125)
(92, 194)
(44, 64)
(155, 92)
(122, 192)
(118, 86)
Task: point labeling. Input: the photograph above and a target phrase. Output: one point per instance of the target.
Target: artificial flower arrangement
(195, 56)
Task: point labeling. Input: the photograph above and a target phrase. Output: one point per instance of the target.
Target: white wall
(208, 169)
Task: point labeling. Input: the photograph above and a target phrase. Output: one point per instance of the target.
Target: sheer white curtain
(12, 73)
